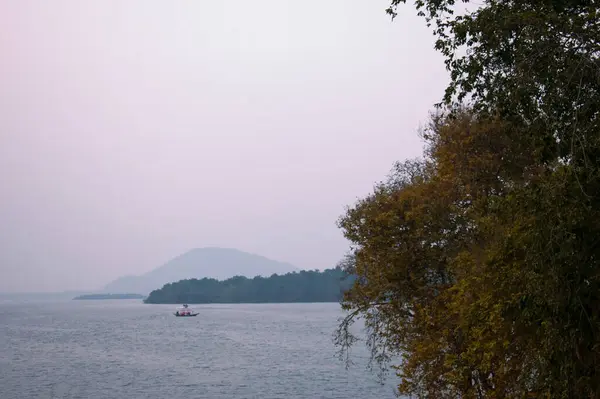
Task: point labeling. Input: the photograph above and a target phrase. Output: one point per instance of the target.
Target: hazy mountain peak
(214, 262)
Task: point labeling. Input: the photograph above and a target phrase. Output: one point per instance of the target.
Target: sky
(134, 130)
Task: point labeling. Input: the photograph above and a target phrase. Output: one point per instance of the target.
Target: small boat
(185, 311)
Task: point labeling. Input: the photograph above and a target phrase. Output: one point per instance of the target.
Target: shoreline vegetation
(304, 286)
(478, 264)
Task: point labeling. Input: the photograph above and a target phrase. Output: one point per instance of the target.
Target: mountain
(217, 263)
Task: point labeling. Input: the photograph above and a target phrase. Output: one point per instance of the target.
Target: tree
(479, 268)
(479, 264)
(536, 63)
(418, 239)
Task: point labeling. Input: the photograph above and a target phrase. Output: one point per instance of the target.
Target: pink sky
(132, 131)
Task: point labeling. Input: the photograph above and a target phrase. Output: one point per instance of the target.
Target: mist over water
(125, 349)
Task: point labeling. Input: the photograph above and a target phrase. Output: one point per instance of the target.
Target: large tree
(418, 241)
(479, 264)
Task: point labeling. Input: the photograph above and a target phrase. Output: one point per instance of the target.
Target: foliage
(536, 63)
(479, 263)
(305, 286)
(479, 266)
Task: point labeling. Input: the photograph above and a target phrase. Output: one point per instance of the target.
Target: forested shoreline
(304, 286)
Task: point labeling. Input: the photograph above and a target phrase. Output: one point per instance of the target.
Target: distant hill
(305, 286)
(216, 263)
(39, 296)
(108, 296)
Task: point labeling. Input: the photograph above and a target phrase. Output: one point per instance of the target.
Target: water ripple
(125, 349)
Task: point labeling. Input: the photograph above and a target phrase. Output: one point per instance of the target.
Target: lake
(126, 349)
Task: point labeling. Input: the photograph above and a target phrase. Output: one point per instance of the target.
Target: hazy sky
(132, 131)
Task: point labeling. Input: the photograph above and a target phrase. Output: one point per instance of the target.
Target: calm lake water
(126, 349)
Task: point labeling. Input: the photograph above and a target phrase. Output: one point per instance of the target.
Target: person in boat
(177, 313)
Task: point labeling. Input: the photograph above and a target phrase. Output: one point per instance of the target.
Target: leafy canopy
(478, 264)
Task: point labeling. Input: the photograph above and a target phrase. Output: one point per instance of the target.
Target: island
(304, 286)
(109, 296)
